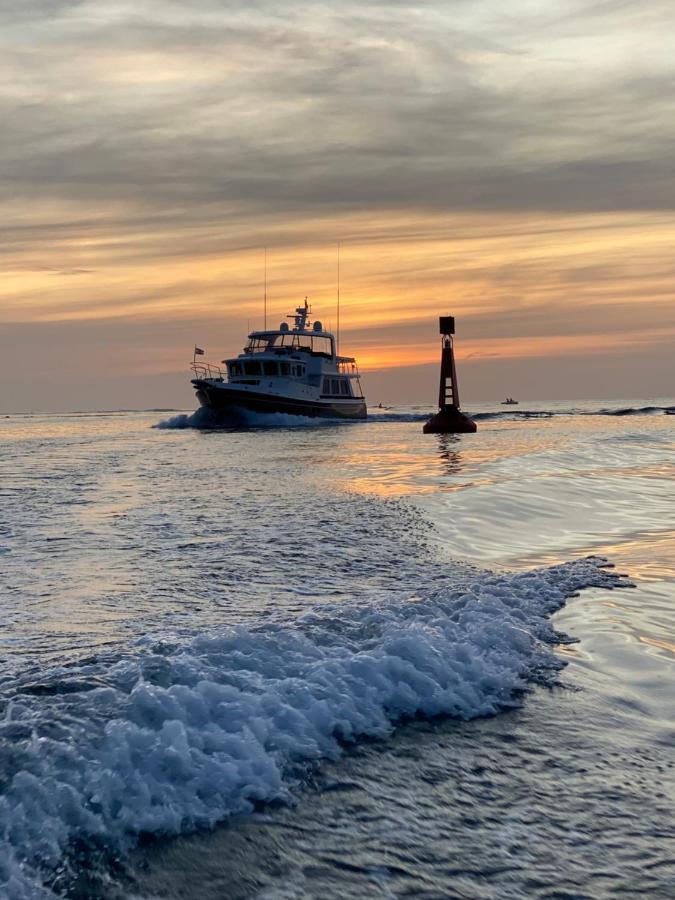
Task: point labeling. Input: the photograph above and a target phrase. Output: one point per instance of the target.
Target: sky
(512, 164)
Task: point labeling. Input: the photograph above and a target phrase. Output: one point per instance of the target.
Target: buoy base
(449, 421)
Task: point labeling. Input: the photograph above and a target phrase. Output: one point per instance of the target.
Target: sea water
(290, 658)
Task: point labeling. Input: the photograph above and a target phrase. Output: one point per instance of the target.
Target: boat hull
(226, 400)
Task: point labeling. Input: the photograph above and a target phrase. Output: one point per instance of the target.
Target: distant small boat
(509, 402)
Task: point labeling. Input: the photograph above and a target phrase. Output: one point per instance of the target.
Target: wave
(515, 414)
(519, 414)
(398, 416)
(176, 737)
(638, 411)
(549, 413)
(205, 419)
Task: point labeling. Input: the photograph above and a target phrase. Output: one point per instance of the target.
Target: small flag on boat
(199, 351)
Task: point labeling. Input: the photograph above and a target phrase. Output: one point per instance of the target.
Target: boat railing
(207, 371)
(347, 366)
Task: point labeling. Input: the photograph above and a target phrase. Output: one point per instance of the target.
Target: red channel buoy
(449, 419)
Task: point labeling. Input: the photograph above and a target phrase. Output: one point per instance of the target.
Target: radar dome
(283, 326)
(318, 326)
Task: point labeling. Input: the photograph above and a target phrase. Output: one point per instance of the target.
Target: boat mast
(265, 292)
(337, 344)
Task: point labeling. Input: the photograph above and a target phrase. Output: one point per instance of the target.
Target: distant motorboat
(509, 402)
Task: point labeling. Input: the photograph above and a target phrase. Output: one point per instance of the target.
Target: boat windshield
(317, 344)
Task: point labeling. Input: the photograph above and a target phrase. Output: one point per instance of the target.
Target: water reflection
(660, 644)
(448, 451)
(647, 556)
(399, 462)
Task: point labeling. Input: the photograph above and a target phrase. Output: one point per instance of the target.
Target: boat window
(293, 341)
(335, 386)
(326, 386)
(344, 387)
(252, 367)
(234, 368)
(261, 342)
(285, 369)
(302, 341)
(322, 345)
(317, 344)
(270, 368)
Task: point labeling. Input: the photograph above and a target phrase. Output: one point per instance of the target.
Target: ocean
(299, 659)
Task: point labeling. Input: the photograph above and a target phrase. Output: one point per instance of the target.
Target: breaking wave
(206, 419)
(175, 737)
(200, 418)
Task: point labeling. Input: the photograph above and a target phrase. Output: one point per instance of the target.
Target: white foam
(200, 418)
(204, 418)
(183, 737)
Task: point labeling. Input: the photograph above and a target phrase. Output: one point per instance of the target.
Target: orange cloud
(511, 348)
(397, 276)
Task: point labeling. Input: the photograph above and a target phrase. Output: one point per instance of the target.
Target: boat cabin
(296, 354)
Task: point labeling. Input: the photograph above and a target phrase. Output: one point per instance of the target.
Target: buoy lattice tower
(448, 392)
(449, 419)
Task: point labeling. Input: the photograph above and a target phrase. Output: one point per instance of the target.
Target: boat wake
(173, 737)
(200, 418)
(205, 419)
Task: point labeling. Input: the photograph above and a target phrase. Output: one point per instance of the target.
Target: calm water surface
(335, 660)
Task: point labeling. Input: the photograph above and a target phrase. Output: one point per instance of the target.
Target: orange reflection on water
(645, 556)
(648, 557)
(421, 464)
(654, 642)
(409, 465)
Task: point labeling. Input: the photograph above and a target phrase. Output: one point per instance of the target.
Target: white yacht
(294, 370)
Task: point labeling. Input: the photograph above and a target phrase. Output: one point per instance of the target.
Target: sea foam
(171, 738)
(205, 419)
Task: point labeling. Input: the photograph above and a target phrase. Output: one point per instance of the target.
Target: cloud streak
(356, 107)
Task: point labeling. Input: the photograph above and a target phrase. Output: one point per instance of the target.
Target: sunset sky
(510, 163)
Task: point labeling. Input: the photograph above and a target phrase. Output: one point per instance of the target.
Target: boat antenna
(337, 347)
(265, 292)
